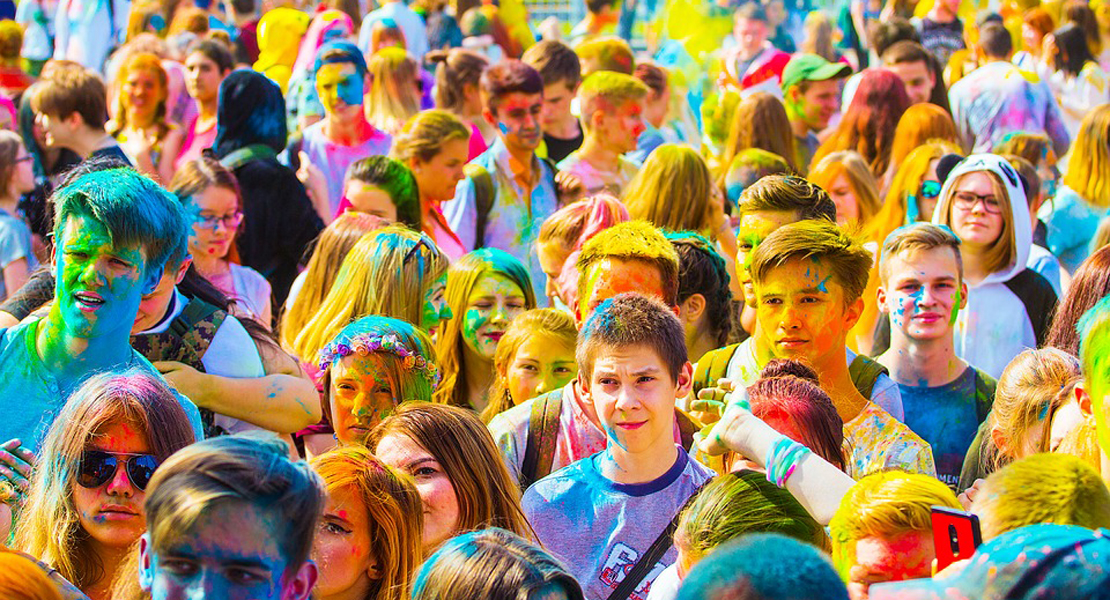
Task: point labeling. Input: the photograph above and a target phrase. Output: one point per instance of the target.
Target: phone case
(955, 534)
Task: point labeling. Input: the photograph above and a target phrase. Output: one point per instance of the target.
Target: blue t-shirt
(947, 418)
(15, 243)
(599, 528)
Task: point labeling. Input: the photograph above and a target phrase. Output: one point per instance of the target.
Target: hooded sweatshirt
(1008, 311)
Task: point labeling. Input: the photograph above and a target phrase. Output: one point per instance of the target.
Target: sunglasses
(98, 467)
(930, 189)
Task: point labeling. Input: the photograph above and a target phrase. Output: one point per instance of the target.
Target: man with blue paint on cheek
(114, 230)
(328, 147)
(231, 518)
(921, 290)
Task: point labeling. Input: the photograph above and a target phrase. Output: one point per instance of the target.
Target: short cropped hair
(917, 237)
(69, 91)
(788, 193)
(556, 62)
(634, 241)
(507, 77)
(848, 261)
(767, 566)
(905, 52)
(751, 11)
(701, 270)
(608, 53)
(252, 469)
(131, 206)
(339, 52)
(653, 76)
(884, 34)
(607, 91)
(995, 40)
(632, 319)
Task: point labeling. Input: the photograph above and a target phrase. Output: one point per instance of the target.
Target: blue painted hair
(251, 110)
(340, 51)
(133, 209)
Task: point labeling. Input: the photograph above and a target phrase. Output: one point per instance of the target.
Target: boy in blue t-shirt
(602, 514)
(922, 290)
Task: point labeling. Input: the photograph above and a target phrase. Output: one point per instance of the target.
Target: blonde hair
(673, 190)
(904, 189)
(608, 91)
(462, 278)
(1089, 166)
(606, 53)
(536, 322)
(819, 36)
(486, 494)
(921, 123)
(22, 579)
(760, 121)
(394, 95)
(423, 136)
(394, 509)
(149, 63)
(333, 245)
(862, 182)
(885, 505)
(1031, 388)
(1042, 488)
(49, 527)
(1003, 251)
(387, 273)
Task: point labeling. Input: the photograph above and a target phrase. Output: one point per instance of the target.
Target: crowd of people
(665, 300)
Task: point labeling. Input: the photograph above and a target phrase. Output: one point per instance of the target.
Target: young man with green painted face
(921, 290)
(811, 94)
(114, 230)
(1094, 352)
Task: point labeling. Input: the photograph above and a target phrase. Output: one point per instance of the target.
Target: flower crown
(364, 344)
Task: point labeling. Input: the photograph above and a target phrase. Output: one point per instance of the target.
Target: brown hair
(1031, 180)
(547, 322)
(848, 261)
(1090, 284)
(760, 121)
(72, 90)
(555, 62)
(151, 64)
(653, 76)
(455, 69)
(10, 143)
(869, 122)
(1039, 19)
(800, 401)
(917, 237)
(423, 136)
(787, 193)
(627, 320)
(461, 444)
(567, 224)
(507, 77)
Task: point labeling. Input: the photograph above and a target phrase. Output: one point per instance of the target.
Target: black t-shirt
(112, 151)
(559, 148)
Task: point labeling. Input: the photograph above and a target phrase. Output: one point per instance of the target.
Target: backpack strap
(246, 154)
(1038, 298)
(653, 555)
(543, 432)
(483, 200)
(865, 372)
(712, 367)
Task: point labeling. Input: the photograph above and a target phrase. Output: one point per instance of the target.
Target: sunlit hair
(1089, 284)
(747, 168)
(396, 180)
(566, 225)
(819, 36)
(919, 237)
(423, 136)
(631, 241)
(1033, 147)
(456, 69)
(607, 53)
(787, 193)
(190, 180)
(10, 143)
(921, 123)
(760, 121)
(394, 511)
(462, 278)
(740, 503)
(901, 205)
(628, 320)
(1089, 166)
(869, 122)
(1042, 488)
(1039, 19)
(548, 323)
(486, 494)
(1031, 181)
(858, 175)
(388, 272)
(847, 260)
(408, 379)
(394, 95)
(1031, 388)
(556, 63)
(885, 505)
(1003, 251)
(492, 564)
(607, 92)
(333, 245)
(788, 392)
(72, 89)
(48, 527)
(22, 579)
(673, 190)
(150, 64)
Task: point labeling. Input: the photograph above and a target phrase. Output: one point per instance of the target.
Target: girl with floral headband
(374, 364)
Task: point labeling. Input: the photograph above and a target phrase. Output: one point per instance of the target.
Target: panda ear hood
(1014, 187)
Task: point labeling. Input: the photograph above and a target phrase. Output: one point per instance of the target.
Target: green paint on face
(435, 309)
(955, 308)
(493, 303)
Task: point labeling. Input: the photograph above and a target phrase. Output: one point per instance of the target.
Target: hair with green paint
(636, 241)
(132, 207)
(847, 260)
(462, 277)
(1094, 350)
(396, 180)
(627, 320)
(607, 92)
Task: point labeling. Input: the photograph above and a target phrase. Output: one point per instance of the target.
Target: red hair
(788, 398)
(869, 122)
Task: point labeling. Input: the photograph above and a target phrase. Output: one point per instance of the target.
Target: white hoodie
(994, 328)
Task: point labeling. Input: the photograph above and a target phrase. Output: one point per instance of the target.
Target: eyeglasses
(99, 467)
(968, 200)
(930, 189)
(231, 221)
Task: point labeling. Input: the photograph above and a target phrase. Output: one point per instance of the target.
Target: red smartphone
(955, 534)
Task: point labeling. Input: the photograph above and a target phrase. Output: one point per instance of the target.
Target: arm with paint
(815, 483)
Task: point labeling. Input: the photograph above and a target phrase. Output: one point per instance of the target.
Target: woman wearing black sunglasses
(84, 508)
